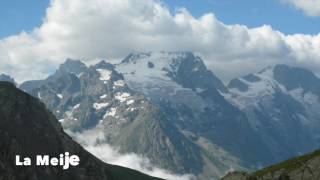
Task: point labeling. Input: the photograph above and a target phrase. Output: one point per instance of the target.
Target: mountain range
(170, 108)
(29, 129)
(281, 103)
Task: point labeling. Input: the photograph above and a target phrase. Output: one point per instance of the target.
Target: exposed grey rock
(100, 100)
(294, 77)
(188, 92)
(170, 108)
(70, 66)
(28, 129)
(236, 83)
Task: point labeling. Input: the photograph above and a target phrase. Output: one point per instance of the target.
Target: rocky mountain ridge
(182, 116)
(28, 129)
(103, 100)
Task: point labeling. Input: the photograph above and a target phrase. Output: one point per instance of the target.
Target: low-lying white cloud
(111, 155)
(112, 29)
(133, 161)
(309, 7)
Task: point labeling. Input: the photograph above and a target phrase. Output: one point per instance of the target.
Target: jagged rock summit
(70, 66)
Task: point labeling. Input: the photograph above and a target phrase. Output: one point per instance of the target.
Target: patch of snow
(130, 102)
(98, 106)
(61, 120)
(103, 96)
(200, 90)
(105, 75)
(112, 113)
(60, 96)
(119, 83)
(39, 95)
(122, 96)
(76, 106)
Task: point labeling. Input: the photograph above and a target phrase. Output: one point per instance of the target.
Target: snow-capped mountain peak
(279, 97)
(171, 76)
(270, 80)
(245, 90)
(155, 65)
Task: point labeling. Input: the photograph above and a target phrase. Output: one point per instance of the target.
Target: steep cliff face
(28, 129)
(305, 167)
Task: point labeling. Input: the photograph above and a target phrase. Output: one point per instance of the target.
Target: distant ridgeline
(170, 108)
(305, 167)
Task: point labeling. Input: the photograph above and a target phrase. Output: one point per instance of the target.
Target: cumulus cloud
(309, 7)
(112, 29)
(89, 140)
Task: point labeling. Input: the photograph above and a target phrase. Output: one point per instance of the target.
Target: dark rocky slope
(28, 129)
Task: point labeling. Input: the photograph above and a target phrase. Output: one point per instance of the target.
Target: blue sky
(17, 15)
(253, 13)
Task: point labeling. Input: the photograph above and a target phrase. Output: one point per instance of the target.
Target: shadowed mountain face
(28, 129)
(282, 104)
(294, 78)
(305, 167)
(74, 67)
